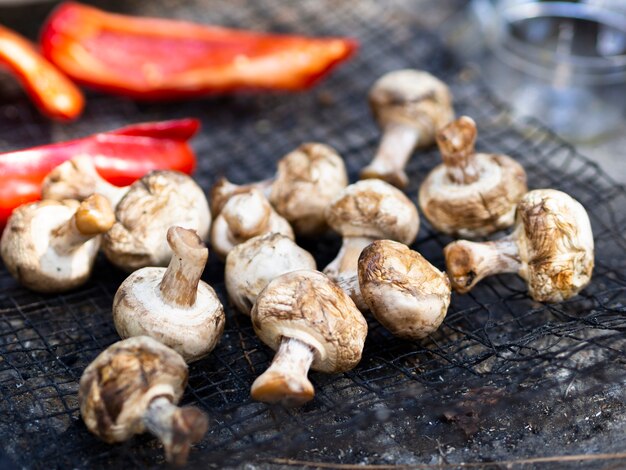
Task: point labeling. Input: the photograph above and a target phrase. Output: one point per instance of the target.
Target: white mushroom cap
(471, 194)
(246, 215)
(251, 265)
(51, 246)
(151, 206)
(172, 305)
(405, 293)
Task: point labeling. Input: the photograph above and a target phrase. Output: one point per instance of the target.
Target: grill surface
(504, 378)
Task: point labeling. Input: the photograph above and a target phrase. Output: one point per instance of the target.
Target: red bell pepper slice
(121, 156)
(53, 93)
(150, 58)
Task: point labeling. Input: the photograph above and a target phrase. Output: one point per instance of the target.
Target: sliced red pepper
(149, 58)
(121, 156)
(53, 93)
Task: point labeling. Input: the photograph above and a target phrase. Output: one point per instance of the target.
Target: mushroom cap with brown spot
(117, 387)
(308, 306)
(375, 209)
(307, 180)
(407, 294)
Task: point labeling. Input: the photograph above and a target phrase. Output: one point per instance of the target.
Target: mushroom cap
(413, 98)
(139, 309)
(375, 209)
(245, 215)
(27, 250)
(117, 387)
(307, 180)
(73, 179)
(251, 265)
(308, 306)
(151, 206)
(406, 294)
(479, 208)
(555, 243)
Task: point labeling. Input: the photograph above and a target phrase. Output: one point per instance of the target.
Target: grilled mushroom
(407, 294)
(172, 305)
(246, 215)
(251, 265)
(51, 246)
(151, 206)
(363, 212)
(551, 248)
(409, 106)
(307, 179)
(471, 194)
(310, 323)
(133, 386)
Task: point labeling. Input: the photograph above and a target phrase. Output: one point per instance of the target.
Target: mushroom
(307, 179)
(407, 294)
(172, 304)
(363, 212)
(251, 265)
(471, 194)
(310, 323)
(51, 246)
(409, 106)
(133, 386)
(551, 248)
(246, 215)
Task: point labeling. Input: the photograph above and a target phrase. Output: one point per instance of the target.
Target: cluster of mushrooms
(167, 316)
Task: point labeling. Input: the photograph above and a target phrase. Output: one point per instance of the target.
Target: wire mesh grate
(504, 378)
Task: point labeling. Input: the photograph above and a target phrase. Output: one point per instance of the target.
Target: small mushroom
(471, 194)
(409, 106)
(172, 304)
(251, 265)
(246, 215)
(132, 387)
(363, 212)
(551, 248)
(310, 323)
(51, 246)
(307, 179)
(407, 294)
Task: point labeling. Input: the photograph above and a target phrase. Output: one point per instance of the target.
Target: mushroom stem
(112, 193)
(177, 428)
(180, 281)
(93, 217)
(456, 143)
(394, 151)
(347, 260)
(285, 380)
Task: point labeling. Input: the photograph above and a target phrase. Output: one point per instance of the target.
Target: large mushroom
(172, 305)
(407, 294)
(363, 212)
(307, 179)
(409, 106)
(244, 216)
(551, 248)
(251, 265)
(470, 194)
(132, 387)
(310, 323)
(51, 246)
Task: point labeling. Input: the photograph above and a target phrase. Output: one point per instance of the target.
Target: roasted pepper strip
(121, 157)
(53, 93)
(149, 58)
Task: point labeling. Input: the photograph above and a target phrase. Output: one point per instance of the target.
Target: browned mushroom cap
(310, 322)
(410, 106)
(471, 194)
(51, 246)
(133, 386)
(405, 293)
(551, 248)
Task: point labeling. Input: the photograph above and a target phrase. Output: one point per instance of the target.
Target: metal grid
(505, 378)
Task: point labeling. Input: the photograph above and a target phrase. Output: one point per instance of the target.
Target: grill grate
(504, 378)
